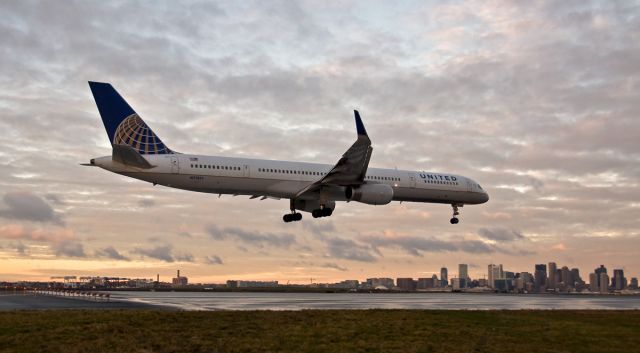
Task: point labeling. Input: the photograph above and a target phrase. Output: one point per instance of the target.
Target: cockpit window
(480, 187)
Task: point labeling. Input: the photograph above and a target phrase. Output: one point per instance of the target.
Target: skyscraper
(599, 271)
(463, 271)
(578, 283)
(618, 281)
(444, 277)
(552, 281)
(604, 282)
(540, 277)
(494, 273)
(593, 283)
(566, 278)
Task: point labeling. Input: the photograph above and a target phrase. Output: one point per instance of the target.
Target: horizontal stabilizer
(128, 155)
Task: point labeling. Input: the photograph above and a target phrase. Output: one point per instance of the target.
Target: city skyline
(545, 120)
(495, 272)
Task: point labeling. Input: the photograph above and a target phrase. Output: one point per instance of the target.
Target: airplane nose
(485, 197)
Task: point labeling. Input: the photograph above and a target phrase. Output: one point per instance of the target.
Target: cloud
(17, 231)
(146, 203)
(319, 228)
(111, 253)
(500, 234)
(213, 260)
(257, 239)
(29, 207)
(69, 248)
(418, 245)
(164, 253)
(335, 266)
(348, 249)
(54, 199)
(21, 248)
(160, 252)
(184, 257)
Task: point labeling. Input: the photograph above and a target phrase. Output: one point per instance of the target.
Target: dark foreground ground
(319, 331)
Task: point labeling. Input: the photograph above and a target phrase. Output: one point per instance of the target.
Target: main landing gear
(454, 219)
(292, 217)
(322, 212)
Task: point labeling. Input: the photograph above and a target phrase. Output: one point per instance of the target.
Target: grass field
(320, 331)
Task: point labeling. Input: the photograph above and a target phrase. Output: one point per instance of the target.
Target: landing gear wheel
(292, 217)
(322, 212)
(454, 220)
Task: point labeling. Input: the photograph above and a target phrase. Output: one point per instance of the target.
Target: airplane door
(245, 171)
(175, 166)
(412, 180)
(469, 187)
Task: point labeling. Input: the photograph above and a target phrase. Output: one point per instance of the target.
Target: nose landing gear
(454, 219)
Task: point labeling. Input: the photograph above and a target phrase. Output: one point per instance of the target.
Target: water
(447, 301)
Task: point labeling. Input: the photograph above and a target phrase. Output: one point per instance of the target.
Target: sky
(538, 101)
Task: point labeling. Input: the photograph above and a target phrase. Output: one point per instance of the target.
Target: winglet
(359, 124)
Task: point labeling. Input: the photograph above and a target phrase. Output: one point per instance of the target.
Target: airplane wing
(351, 169)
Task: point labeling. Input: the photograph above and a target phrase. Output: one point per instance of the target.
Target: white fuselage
(284, 179)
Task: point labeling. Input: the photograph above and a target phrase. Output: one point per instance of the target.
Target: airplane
(139, 153)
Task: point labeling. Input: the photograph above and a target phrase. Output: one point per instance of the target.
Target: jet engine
(371, 194)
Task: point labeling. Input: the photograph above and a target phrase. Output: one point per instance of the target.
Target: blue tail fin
(123, 125)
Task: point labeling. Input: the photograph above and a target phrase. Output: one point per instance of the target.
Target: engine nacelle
(371, 194)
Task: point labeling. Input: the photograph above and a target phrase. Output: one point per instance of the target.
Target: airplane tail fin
(123, 125)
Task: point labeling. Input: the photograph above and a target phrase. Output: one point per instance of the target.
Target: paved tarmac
(9, 302)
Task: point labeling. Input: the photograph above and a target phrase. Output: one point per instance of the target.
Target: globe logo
(133, 132)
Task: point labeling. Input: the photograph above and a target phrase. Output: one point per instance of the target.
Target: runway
(10, 302)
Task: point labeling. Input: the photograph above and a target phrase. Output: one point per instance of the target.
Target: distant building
(346, 284)
(552, 281)
(578, 283)
(618, 282)
(179, 281)
(457, 284)
(598, 271)
(408, 284)
(633, 283)
(566, 279)
(540, 276)
(257, 284)
(251, 284)
(463, 272)
(503, 285)
(492, 275)
(594, 285)
(604, 282)
(380, 283)
(426, 283)
(444, 277)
